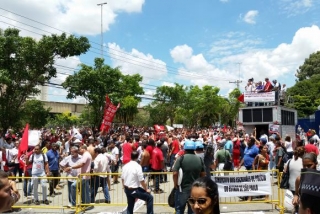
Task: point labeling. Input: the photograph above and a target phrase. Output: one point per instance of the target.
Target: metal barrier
(118, 197)
(59, 200)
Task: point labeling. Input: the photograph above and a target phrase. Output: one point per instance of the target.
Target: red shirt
(150, 150)
(267, 87)
(126, 149)
(157, 159)
(311, 148)
(176, 149)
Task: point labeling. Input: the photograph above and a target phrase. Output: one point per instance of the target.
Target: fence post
(78, 195)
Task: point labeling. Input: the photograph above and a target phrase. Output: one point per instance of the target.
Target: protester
(40, 169)
(204, 196)
(70, 161)
(221, 156)
(311, 147)
(84, 165)
(132, 177)
(157, 164)
(53, 161)
(279, 153)
(115, 160)
(250, 153)
(295, 165)
(100, 166)
(261, 161)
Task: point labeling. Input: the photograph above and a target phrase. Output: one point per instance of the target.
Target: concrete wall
(61, 107)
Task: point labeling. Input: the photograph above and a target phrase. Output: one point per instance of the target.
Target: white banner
(33, 137)
(259, 97)
(251, 184)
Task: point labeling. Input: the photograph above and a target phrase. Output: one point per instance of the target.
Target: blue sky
(189, 42)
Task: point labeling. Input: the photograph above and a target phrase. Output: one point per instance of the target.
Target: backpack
(32, 158)
(285, 156)
(209, 150)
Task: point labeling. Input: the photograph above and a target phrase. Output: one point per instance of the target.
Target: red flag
(241, 98)
(109, 112)
(23, 147)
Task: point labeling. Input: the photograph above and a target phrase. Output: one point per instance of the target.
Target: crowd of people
(195, 153)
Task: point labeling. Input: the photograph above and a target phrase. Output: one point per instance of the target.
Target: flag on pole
(241, 98)
(23, 147)
(108, 115)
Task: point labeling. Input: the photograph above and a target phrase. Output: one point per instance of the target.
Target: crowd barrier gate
(118, 197)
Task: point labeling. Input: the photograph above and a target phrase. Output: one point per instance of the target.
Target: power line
(169, 71)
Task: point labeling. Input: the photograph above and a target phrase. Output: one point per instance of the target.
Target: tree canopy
(26, 63)
(94, 83)
(193, 106)
(310, 67)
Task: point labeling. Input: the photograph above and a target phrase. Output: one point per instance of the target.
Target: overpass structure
(61, 107)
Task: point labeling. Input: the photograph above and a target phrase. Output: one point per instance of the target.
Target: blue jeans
(72, 188)
(97, 182)
(181, 199)
(140, 193)
(157, 180)
(85, 191)
(172, 156)
(27, 186)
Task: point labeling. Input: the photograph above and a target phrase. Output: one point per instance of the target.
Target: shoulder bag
(284, 184)
(227, 163)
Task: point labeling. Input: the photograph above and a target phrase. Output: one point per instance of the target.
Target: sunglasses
(200, 201)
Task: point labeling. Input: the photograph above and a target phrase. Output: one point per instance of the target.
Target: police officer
(191, 167)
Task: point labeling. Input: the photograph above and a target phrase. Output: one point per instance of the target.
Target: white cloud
(296, 7)
(233, 43)
(74, 16)
(197, 69)
(280, 61)
(136, 62)
(170, 84)
(250, 16)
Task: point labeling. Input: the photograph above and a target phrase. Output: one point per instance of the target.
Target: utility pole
(101, 5)
(239, 80)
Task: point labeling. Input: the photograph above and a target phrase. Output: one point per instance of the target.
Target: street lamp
(101, 5)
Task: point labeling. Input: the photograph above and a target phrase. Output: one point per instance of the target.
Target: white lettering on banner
(252, 184)
(259, 97)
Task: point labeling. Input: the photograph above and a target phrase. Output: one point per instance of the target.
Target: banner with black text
(252, 184)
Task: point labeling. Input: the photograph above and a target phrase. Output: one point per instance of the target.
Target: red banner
(108, 115)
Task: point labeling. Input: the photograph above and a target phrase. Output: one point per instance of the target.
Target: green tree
(310, 67)
(305, 95)
(86, 118)
(26, 63)
(34, 113)
(66, 119)
(93, 83)
(169, 99)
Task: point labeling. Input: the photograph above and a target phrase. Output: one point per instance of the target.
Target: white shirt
(101, 164)
(295, 167)
(114, 152)
(132, 174)
(71, 161)
(288, 146)
(38, 163)
(66, 147)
